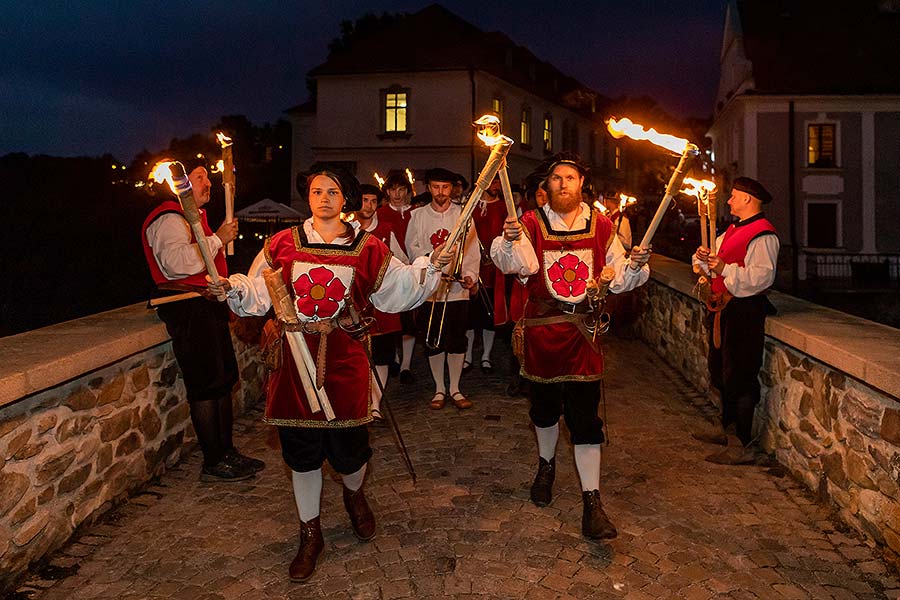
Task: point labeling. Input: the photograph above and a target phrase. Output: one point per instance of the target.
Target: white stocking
(546, 439)
(307, 493)
(436, 363)
(455, 363)
(354, 481)
(487, 337)
(409, 343)
(587, 461)
(382, 371)
(470, 338)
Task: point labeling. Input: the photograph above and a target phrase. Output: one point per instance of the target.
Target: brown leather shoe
(542, 488)
(460, 401)
(594, 522)
(439, 400)
(361, 516)
(311, 545)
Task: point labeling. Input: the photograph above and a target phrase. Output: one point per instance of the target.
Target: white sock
(470, 338)
(455, 365)
(307, 493)
(487, 337)
(354, 481)
(546, 439)
(436, 363)
(409, 343)
(382, 371)
(587, 461)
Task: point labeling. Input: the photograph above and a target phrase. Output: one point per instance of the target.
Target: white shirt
(758, 273)
(423, 222)
(403, 287)
(169, 237)
(624, 233)
(519, 257)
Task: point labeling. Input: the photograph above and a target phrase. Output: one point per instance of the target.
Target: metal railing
(861, 269)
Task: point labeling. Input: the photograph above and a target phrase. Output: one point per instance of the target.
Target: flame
(625, 200)
(409, 175)
(218, 167)
(489, 130)
(626, 127)
(599, 206)
(379, 179)
(693, 186)
(223, 139)
(162, 173)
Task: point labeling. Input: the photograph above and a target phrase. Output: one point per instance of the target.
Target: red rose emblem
(319, 292)
(439, 237)
(568, 276)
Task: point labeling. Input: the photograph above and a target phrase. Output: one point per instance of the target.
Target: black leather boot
(361, 516)
(594, 522)
(542, 488)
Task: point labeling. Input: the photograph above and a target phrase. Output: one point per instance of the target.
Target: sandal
(486, 367)
(460, 401)
(467, 366)
(437, 403)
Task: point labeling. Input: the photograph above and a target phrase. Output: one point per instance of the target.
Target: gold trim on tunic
(310, 424)
(559, 378)
(552, 234)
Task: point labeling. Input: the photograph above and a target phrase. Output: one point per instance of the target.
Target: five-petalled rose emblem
(319, 293)
(567, 276)
(439, 237)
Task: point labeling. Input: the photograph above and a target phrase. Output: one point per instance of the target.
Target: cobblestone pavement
(687, 528)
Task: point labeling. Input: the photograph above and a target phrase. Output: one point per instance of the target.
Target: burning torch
(489, 132)
(228, 182)
(500, 145)
(625, 127)
(173, 173)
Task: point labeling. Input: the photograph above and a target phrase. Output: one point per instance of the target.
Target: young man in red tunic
(201, 337)
(565, 246)
(487, 310)
(394, 216)
(744, 269)
(328, 267)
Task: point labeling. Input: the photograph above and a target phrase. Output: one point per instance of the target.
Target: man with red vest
(741, 271)
(201, 338)
(565, 247)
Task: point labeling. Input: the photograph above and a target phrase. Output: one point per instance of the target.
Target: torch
(489, 132)
(411, 179)
(378, 179)
(228, 181)
(499, 149)
(700, 189)
(173, 173)
(625, 127)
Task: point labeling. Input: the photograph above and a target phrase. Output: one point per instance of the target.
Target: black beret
(754, 188)
(461, 181)
(439, 174)
(573, 160)
(368, 188)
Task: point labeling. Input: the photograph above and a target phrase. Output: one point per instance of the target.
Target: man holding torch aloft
(569, 253)
(741, 270)
(320, 277)
(198, 326)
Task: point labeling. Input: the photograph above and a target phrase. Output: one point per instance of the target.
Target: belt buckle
(567, 307)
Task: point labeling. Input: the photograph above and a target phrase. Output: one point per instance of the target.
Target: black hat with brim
(754, 188)
(439, 174)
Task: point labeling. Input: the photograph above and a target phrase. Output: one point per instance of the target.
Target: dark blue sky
(92, 77)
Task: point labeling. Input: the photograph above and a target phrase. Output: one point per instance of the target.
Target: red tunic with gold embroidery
(489, 218)
(567, 259)
(319, 278)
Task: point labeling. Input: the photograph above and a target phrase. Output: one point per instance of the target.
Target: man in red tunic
(742, 270)
(565, 247)
(201, 338)
(394, 216)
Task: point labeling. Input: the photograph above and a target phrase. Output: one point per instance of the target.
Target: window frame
(836, 141)
(525, 118)
(384, 109)
(547, 133)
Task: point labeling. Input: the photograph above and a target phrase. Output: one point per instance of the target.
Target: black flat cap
(754, 188)
(439, 174)
(374, 190)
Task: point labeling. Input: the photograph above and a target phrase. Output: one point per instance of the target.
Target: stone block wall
(70, 452)
(829, 410)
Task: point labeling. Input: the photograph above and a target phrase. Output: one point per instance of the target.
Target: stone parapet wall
(830, 411)
(71, 449)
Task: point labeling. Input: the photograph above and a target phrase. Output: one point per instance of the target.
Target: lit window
(525, 127)
(497, 107)
(821, 145)
(548, 132)
(618, 158)
(395, 105)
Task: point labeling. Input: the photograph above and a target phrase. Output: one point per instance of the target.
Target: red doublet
(396, 222)
(488, 225)
(559, 351)
(735, 242)
(385, 322)
(318, 277)
(198, 280)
